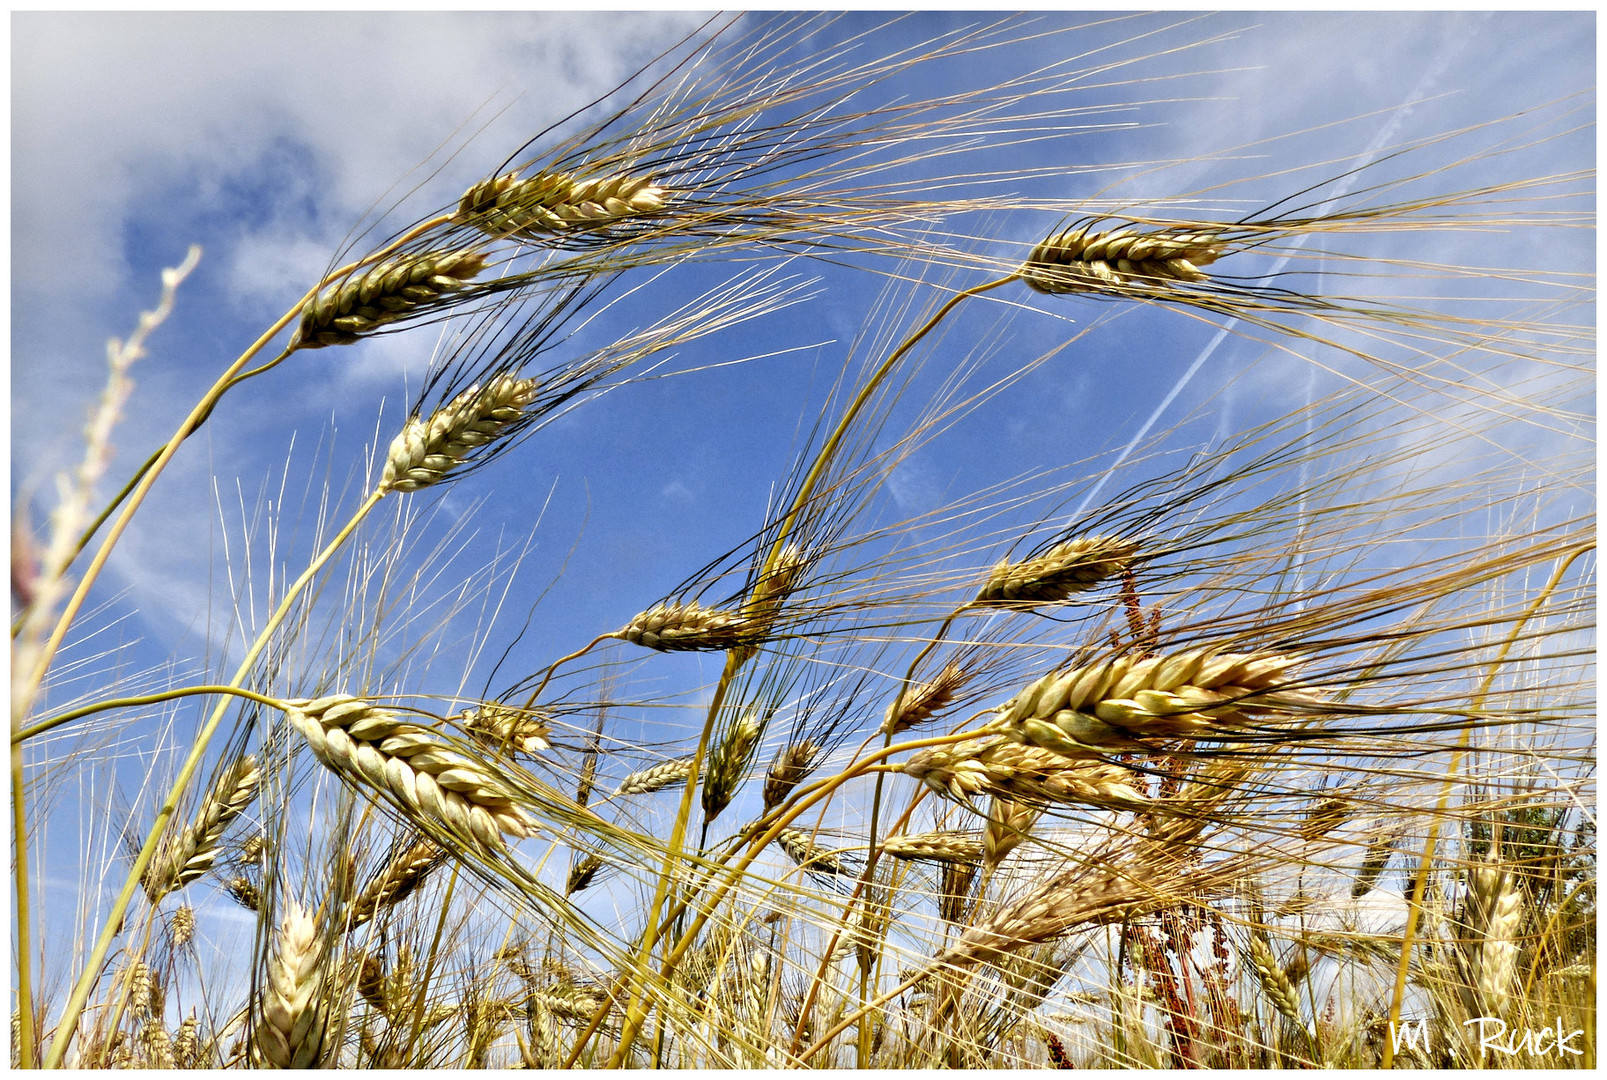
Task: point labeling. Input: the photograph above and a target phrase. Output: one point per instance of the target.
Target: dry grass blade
(426, 450)
(1071, 567)
(188, 856)
(537, 207)
(1121, 262)
(434, 784)
(384, 294)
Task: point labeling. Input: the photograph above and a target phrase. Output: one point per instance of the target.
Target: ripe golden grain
(384, 294)
(537, 207)
(1121, 262)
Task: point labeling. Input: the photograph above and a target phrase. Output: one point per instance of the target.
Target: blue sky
(265, 138)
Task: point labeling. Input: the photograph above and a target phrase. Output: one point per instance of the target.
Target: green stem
(80, 994)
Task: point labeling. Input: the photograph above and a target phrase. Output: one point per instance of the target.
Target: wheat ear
(655, 778)
(505, 729)
(536, 207)
(787, 770)
(808, 854)
(433, 783)
(1495, 912)
(764, 601)
(582, 873)
(688, 628)
(728, 764)
(1008, 823)
(384, 294)
(290, 1028)
(426, 450)
(189, 855)
(1120, 262)
(948, 847)
(1379, 851)
(406, 870)
(993, 765)
(1279, 988)
(1101, 706)
(1072, 567)
(925, 700)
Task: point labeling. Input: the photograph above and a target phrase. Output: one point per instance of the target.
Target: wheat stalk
(1099, 707)
(1070, 567)
(994, 765)
(1120, 262)
(426, 450)
(188, 856)
(290, 1009)
(536, 207)
(384, 294)
(434, 783)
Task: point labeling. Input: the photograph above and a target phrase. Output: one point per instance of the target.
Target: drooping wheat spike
(1494, 912)
(507, 730)
(765, 599)
(1325, 816)
(396, 880)
(791, 765)
(371, 983)
(582, 873)
(245, 892)
(536, 207)
(393, 290)
(426, 450)
(181, 927)
(948, 847)
(1071, 567)
(1121, 262)
(993, 765)
(291, 1009)
(187, 1044)
(687, 628)
(431, 781)
(1008, 823)
(808, 854)
(571, 1001)
(1100, 707)
(729, 762)
(1379, 850)
(1277, 985)
(656, 777)
(925, 700)
(188, 856)
(142, 988)
(155, 1045)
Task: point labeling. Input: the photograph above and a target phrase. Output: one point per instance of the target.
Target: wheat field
(822, 541)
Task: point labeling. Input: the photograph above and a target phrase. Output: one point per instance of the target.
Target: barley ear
(791, 765)
(537, 207)
(188, 856)
(291, 1009)
(382, 294)
(688, 628)
(1120, 262)
(426, 450)
(728, 764)
(1072, 567)
(925, 700)
(656, 777)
